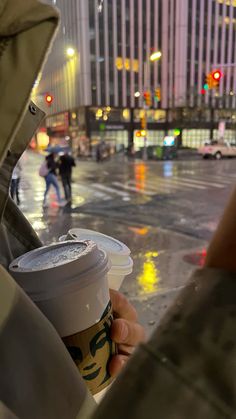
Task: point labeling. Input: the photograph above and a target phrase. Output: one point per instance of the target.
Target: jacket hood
(26, 31)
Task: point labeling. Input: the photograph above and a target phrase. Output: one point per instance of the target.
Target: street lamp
(70, 52)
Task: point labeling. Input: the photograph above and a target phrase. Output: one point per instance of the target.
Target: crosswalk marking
(158, 187)
(215, 179)
(150, 186)
(184, 184)
(229, 178)
(133, 188)
(203, 182)
(109, 189)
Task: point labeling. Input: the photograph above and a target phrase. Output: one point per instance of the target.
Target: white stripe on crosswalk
(171, 181)
(86, 188)
(201, 182)
(162, 188)
(228, 178)
(109, 189)
(216, 178)
(132, 188)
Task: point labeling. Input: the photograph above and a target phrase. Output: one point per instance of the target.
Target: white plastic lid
(62, 267)
(118, 252)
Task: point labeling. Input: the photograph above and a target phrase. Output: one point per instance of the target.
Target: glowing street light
(137, 94)
(155, 56)
(70, 52)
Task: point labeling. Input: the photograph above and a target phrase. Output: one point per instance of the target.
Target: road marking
(81, 188)
(109, 189)
(196, 181)
(217, 179)
(230, 178)
(154, 188)
(181, 184)
(133, 188)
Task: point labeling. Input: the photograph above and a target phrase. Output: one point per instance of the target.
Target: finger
(122, 307)
(130, 333)
(125, 349)
(116, 364)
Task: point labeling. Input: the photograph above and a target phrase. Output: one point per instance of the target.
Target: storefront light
(155, 56)
(137, 94)
(126, 114)
(108, 109)
(73, 115)
(99, 113)
(105, 118)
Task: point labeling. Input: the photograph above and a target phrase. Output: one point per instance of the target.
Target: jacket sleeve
(188, 367)
(38, 377)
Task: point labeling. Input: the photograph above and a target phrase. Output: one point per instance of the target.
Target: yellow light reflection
(141, 231)
(78, 200)
(149, 278)
(140, 175)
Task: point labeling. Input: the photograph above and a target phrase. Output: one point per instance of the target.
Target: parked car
(217, 149)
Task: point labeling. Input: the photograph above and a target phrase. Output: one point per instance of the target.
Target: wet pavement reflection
(165, 212)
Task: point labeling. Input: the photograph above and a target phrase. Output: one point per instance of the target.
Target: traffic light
(147, 98)
(48, 99)
(143, 122)
(209, 82)
(157, 94)
(212, 80)
(216, 76)
(138, 134)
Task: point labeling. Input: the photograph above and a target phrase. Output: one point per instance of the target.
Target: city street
(164, 211)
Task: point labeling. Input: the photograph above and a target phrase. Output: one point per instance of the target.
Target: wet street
(164, 211)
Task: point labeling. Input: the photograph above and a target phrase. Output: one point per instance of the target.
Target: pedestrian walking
(48, 171)
(15, 182)
(98, 152)
(66, 163)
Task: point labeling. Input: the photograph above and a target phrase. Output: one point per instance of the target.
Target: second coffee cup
(121, 264)
(68, 282)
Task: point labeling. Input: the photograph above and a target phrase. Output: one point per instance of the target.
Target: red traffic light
(216, 75)
(49, 98)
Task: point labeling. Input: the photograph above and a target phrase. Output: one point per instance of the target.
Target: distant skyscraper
(102, 79)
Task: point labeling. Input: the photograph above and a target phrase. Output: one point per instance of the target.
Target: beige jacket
(38, 378)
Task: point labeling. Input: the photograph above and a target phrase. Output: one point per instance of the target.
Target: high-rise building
(102, 81)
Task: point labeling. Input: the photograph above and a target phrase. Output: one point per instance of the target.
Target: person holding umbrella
(48, 171)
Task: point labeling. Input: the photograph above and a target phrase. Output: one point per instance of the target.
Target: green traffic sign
(102, 126)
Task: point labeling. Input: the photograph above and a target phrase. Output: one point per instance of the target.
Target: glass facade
(112, 63)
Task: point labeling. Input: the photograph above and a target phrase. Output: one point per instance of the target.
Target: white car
(217, 150)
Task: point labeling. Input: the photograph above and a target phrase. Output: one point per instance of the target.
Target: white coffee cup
(68, 282)
(57, 276)
(118, 253)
